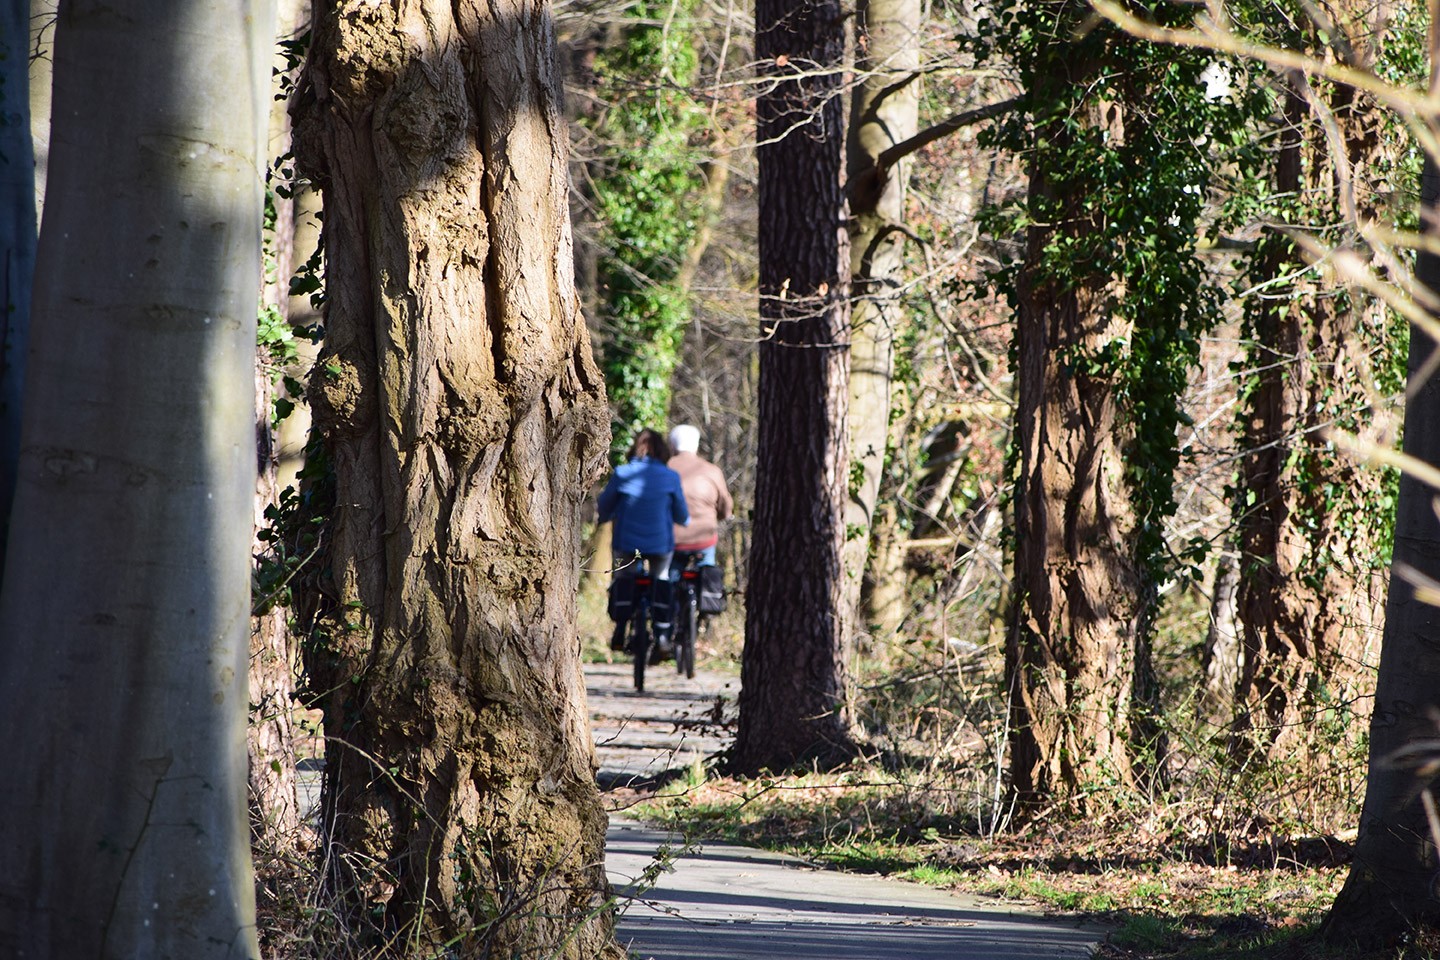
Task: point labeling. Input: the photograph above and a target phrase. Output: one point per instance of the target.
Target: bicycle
(687, 611)
(641, 627)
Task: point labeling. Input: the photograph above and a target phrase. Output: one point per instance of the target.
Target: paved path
(726, 902)
(720, 901)
(671, 725)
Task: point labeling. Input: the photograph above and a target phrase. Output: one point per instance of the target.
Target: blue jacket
(645, 499)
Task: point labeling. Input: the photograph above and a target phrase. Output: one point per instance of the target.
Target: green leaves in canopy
(647, 199)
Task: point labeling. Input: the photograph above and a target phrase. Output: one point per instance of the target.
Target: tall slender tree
(464, 418)
(884, 112)
(793, 677)
(125, 603)
(275, 813)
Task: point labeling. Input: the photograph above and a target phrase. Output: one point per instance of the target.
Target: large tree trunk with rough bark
(125, 606)
(464, 418)
(1075, 632)
(884, 112)
(793, 678)
(1312, 580)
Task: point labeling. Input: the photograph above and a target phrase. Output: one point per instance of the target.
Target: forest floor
(1158, 894)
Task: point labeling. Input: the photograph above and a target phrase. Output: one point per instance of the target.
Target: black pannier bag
(622, 596)
(662, 605)
(712, 590)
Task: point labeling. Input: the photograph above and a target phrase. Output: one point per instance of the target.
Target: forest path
(675, 722)
(721, 901)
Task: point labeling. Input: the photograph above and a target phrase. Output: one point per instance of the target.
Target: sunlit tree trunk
(125, 606)
(1071, 652)
(1221, 657)
(464, 418)
(1311, 519)
(274, 798)
(42, 63)
(884, 112)
(793, 678)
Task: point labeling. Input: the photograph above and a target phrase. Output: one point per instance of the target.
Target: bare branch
(894, 154)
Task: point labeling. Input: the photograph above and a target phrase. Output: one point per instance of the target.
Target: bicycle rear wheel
(640, 647)
(685, 635)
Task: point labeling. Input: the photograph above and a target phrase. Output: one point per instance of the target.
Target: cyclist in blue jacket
(645, 500)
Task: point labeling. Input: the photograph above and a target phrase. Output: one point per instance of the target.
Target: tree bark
(1390, 889)
(884, 112)
(43, 14)
(1310, 591)
(270, 739)
(464, 417)
(1075, 634)
(793, 675)
(125, 606)
(275, 819)
(1222, 657)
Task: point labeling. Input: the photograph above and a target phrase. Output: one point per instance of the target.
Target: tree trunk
(43, 14)
(1074, 639)
(884, 112)
(17, 243)
(125, 607)
(1309, 596)
(274, 798)
(465, 418)
(883, 601)
(1221, 659)
(793, 678)
(1390, 888)
(270, 739)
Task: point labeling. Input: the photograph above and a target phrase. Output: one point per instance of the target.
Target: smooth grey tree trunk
(125, 609)
(43, 14)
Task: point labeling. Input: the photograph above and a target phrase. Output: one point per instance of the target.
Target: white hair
(685, 439)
